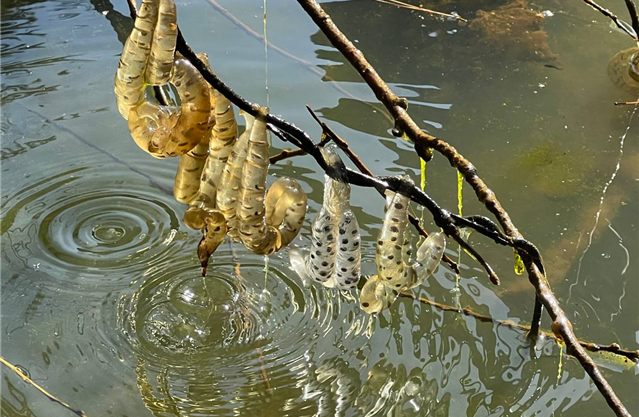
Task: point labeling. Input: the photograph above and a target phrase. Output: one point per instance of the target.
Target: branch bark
(561, 326)
(634, 16)
(450, 223)
(288, 132)
(632, 9)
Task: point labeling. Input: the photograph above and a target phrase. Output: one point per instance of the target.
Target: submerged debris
(514, 28)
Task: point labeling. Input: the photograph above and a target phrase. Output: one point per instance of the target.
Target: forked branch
(288, 132)
(450, 223)
(632, 10)
(404, 124)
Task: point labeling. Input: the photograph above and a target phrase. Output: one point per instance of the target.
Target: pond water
(103, 304)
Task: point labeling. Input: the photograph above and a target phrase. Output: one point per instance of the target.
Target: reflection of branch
(246, 314)
(42, 390)
(632, 355)
(121, 24)
(404, 124)
(114, 158)
(615, 19)
(304, 63)
(538, 310)
(421, 9)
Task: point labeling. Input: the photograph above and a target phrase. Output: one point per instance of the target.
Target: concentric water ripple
(238, 328)
(104, 229)
(90, 222)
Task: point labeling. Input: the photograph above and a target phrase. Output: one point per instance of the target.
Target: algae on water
(554, 171)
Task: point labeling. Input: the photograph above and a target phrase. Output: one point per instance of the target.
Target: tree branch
(290, 133)
(634, 16)
(444, 219)
(29, 381)
(620, 23)
(285, 154)
(345, 147)
(529, 254)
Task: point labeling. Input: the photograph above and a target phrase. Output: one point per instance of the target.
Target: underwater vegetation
(554, 171)
(515, 29)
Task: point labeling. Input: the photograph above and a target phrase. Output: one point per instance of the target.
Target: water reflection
(234, 340)
(121, 24)
(84, 225)
(15, 402)
(102, 297)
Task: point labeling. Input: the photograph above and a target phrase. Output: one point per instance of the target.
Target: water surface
(102, 301)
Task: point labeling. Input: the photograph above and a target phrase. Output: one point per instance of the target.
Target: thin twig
(403, 5)
(133, 8)
(285, 154)
(29, 381)
(404, 123)
(614, 348)
(304, 63)
(626, 103)
(634, 16)
(620, 24)
(536, 319)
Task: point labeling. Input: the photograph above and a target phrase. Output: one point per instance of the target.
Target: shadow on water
(102, 298)
(122, 24)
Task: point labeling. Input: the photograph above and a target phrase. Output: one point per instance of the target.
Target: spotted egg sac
(334, 258)
(347, 266)
(396, 272)
(320, 262)
(268, 220)
(428, 256)
(393, 245)
(376, 297)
